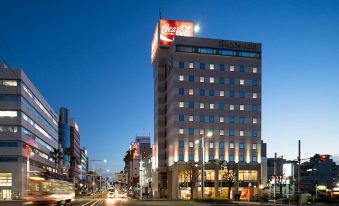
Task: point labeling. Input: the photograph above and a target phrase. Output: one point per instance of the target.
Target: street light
(209, 134)
(93, 169)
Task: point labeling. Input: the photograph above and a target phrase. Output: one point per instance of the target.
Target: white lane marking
(95, 203)
(87, 203)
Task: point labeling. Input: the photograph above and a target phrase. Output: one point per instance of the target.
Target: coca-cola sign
(171, 28)
(165, 32)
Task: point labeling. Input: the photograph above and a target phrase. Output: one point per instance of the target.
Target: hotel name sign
(239, 45)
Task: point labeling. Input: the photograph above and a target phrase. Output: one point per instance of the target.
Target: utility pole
(299, 165)
(275, 175)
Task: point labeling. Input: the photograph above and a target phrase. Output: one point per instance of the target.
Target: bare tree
(229, 175)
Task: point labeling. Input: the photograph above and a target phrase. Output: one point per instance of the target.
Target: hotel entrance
(5, 194)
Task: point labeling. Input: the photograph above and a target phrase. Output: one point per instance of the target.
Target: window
(241, 158)
(221, 119)
(254, 96)
(231, 106)
(211, 145)
(231, 132)
(202, 79)
(181, 157)
(202, 66)
(221, 157)
(190, 78)
(231, 145)
(181, 78)
(242, 107)
(231, 158)
(201, 131)
(241, 94)
(8, 83)
(12, 129)
(181, 144)
(241, 133)
(231, 120)
(254, 70)
(221, 67)
(211, 118)
(181, 104)
(241, 69)
(232, 93)
(221, 80)
(202, 92)
(181, 117)
(254, 121)
(190, 104)
(221, 132)
(241, 146)
(254, 158)
(211, 79)
(221, 145)
(181, 65)
(8, 159)
(190, 131)
(191, 65)
(232, 81)
(181, 91)
(254, 133)
(181, 131)
(190, 157)
(221, 93)
(202, 118)
(242, 82)
(254, 83)
(5, 179)
(242, 120)
(254, 146)
(221, 106)
(8, 144)
(190, 92)
(190, 144)
(231, 68)
(254, 108)
(8, 113)
(190, 118)
(211, 106)
(211, 66)
(210, 157)
(201, 105)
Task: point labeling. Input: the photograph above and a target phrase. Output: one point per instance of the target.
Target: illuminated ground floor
(183, 181)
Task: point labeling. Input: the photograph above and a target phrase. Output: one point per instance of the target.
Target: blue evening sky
(94, 58)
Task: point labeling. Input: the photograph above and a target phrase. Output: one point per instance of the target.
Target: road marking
(88, 203)
(95, 203)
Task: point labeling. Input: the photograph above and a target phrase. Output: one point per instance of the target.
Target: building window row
(221, 132)
(220, 80)
(222, 52)
(39, 104)
(181, 144)
(216, 119)
(221, 157)
(212, 93)
(8, 83)
(220, 106)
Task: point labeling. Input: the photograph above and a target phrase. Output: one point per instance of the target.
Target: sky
(93, 57)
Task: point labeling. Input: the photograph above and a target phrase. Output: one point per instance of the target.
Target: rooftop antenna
(159, 12)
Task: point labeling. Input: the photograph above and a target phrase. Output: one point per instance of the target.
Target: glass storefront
(5, 186)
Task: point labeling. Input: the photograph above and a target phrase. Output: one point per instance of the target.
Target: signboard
(287, 169)
(166, 30)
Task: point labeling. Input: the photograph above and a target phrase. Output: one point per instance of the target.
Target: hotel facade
(203, 86)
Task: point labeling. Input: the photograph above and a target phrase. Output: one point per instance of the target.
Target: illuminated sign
(166, 30)
(287, 169)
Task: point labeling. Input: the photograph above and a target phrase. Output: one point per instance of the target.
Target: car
(111, 193)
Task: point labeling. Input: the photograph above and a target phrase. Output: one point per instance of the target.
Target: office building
(69, 139)
(204, 85)
(28, 132)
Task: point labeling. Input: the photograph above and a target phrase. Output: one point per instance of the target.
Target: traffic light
(320, 158)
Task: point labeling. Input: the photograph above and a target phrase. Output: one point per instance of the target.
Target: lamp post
(93, 169)
(209, 134)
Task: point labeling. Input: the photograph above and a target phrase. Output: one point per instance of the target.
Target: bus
(47, 188)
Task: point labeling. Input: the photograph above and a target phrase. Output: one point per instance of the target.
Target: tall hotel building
(205, 85)
(28, 132)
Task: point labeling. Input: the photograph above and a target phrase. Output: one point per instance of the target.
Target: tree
(192, 174)
(229, 175)
(57, 156)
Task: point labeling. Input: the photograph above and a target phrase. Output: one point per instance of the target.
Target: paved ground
(100, 201)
